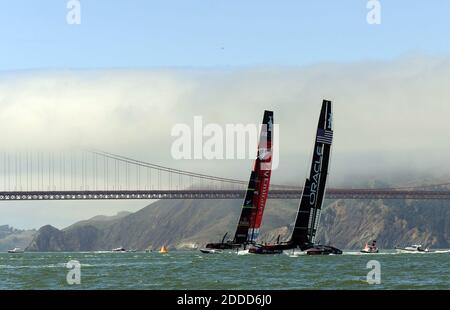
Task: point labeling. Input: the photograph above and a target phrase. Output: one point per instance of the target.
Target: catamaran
(308, 214)
(247, 230)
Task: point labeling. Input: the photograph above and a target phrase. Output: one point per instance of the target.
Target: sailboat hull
(264, 250)
(272, 248)
(323, 250)
(211, 251)
(223, 246)
(307, 249)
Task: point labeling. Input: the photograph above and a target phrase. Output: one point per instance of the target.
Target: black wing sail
(247, 211)
(308, 213)
(255, 199)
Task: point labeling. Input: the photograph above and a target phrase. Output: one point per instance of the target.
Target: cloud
(382, 108)
(389, 116)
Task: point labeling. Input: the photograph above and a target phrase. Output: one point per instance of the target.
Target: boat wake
(440, 251)
(366, 254)
(423, 252)
(294, 253)
(242, 252)
(396, 252)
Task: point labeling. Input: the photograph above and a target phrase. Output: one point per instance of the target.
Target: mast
(258, 188)
(309, 210)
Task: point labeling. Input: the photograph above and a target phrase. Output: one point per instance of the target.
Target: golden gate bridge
(99, 175)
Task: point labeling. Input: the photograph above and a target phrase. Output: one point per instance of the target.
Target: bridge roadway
(291, 193)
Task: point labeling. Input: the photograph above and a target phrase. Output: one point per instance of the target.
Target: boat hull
(210, 251)
(369, 251)
(272, 248)
(411, 251)
(223, 246)
(264, 250)
(308, 249)
(323, 250)
(15, 251)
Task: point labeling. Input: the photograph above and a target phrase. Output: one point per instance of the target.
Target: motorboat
(372, 248)
(15, 250)
(120, 249)
(415, 248)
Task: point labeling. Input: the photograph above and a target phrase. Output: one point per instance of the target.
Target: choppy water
(194, 270)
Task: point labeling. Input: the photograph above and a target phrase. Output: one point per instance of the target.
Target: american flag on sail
(324, 136)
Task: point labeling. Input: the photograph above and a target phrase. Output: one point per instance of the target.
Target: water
(194, 270)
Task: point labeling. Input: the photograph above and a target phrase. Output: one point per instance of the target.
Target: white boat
(415, 248)
(16, 250)
(210, 251)
(119, 250)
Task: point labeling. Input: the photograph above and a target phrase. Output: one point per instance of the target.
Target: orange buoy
(163, 250)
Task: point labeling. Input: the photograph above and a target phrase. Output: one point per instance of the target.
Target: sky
(132, 70)
(143, 33)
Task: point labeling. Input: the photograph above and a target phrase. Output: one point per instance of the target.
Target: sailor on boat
(256, 196)
(308, 214)
(372, 248)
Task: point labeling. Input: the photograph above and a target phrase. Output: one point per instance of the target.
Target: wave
(242, 252)
(440, 251)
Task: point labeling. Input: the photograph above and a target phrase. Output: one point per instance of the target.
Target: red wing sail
(258, 188)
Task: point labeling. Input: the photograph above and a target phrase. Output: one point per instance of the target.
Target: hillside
(11, 238)
(189, 223)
